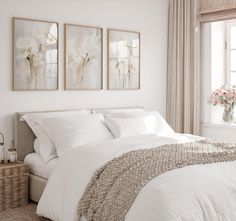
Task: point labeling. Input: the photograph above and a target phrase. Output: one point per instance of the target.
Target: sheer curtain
(183, 77)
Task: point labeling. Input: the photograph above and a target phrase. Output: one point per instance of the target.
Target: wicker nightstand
(13, 185)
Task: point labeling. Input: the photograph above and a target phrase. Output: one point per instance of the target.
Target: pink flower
(225, 96)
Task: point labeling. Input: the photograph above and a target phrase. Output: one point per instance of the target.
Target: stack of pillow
(57, 132)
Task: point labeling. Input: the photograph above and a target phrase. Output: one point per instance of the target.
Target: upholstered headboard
(24, 136)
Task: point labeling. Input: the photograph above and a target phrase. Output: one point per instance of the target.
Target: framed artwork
(123, 60)
(35, 54)
(83, 57)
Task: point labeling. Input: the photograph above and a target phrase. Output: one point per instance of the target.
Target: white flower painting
(83, 57)
(123, 60)
(35, 55)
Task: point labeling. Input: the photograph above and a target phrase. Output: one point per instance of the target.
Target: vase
(228, 114)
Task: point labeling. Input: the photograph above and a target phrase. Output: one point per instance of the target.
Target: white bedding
(38, 166)
(196, 193)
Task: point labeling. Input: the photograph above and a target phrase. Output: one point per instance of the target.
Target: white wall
(150, 17)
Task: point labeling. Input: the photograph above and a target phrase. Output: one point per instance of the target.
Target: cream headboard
(24, 137)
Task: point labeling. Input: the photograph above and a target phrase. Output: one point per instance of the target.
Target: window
(218, 64)
(231, 52)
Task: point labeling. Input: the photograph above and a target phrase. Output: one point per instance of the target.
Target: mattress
(38, 166)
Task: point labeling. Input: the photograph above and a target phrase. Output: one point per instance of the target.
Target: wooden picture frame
(123, 63)
(83, 58)
(35, 54)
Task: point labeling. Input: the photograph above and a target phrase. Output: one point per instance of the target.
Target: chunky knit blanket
(114, 187)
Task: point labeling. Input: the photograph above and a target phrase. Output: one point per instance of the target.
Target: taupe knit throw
(114, 187)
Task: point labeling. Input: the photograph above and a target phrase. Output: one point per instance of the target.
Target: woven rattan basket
(13, 185)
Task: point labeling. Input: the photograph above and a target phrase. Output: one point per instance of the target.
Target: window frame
(228, 49)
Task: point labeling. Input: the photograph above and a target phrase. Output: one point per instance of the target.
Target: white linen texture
(196, 193)
(137, 123)
(38, 166)
(74, 131)
(108, 112)
(37, 146)
(34, 121)
(126, 127)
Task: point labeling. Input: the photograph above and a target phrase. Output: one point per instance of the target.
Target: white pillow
(37, 117)
(34, 120)
(71, 132)
(47, 148)
(37, 146)
(130, 124)
(126, 127)
(109, 112)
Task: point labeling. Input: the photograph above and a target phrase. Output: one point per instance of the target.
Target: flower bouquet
(225, 97)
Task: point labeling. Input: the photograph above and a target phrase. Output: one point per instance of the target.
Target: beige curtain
(214, 10)
(183, 78)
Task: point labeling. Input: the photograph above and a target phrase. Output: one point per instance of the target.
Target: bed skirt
(36, 187)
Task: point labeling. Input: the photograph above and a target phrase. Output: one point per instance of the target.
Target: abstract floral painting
(83, 57)
(35, 45)
(123, 60)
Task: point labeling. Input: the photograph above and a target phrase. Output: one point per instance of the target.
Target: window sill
(220, 126)
(219, 131)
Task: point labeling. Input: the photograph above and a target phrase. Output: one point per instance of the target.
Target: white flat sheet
(38, 166)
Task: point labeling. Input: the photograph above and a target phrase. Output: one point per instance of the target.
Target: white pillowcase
(131, 124)
(125, 127)
(109, 112)
(71, 132)
(37, 146)
(34, 120)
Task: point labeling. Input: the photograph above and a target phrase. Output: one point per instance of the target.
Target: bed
(24, 141)
(131, 177)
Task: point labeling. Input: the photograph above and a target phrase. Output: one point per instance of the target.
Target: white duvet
(193, 193)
